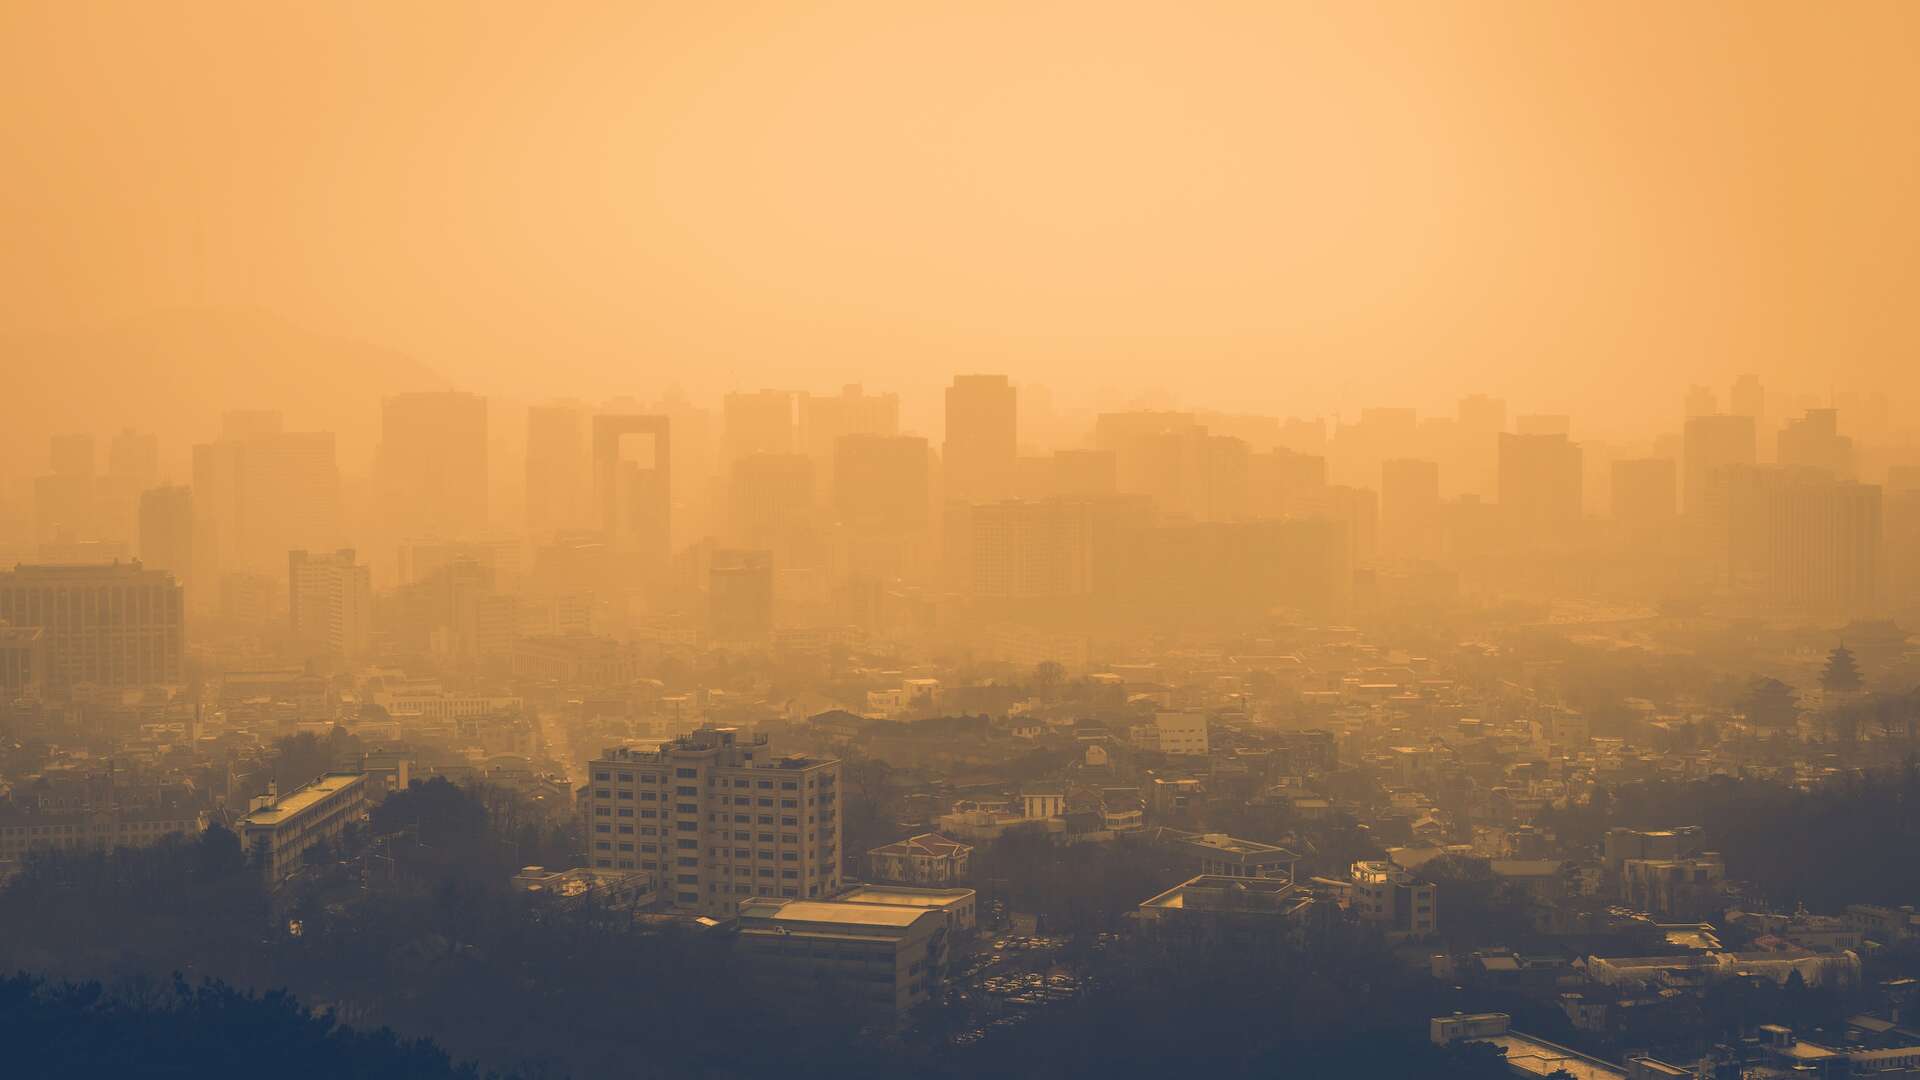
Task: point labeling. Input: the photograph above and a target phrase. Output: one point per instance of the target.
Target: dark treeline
(1852, 839)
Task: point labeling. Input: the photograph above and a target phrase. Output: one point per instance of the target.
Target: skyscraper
(982, 438)
(1541, 486)
(1814, 442)
(433, 464)
(1801, 542)
(559, 469)
(166, 532)
(1410, 507)
(330, 602)
(759, 422)
(633, 485)
(772, 507)
(260, 492)
(1713, 442)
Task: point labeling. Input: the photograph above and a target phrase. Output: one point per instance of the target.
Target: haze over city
(1278, 539)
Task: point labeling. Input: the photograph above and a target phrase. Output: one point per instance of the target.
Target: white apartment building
(719, 818)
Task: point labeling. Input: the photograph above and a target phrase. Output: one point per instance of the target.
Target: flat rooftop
(295, 801)
(828, 913)
(901, 896)
(1537, 1057)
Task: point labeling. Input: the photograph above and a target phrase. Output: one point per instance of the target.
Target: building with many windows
(116, 624)
(926, 859)
(884, 958)
(719, 817)
(279, 829)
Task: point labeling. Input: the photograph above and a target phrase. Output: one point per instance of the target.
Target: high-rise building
(433, 464)
(135, 457)
(1701, 401)
(559, 470)
(1410, 507)
(719, 818)
(884, 483)
(1902, 545)
(1085, 473)
(1541, 485)
(116, 625)
(760, 422)
(740, 594)
(1712, 443)
(1799, 541)
(330, 602)
(633, 484)
(772, 507)
(982, 438)
(853, 411)
(1027, 550)
(1645, 497)
(259, 493)
(166, 532)
(1814, 442)
(1481, 419)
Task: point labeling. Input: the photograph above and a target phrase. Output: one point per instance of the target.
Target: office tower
(1541, 486)
(1085, 473)
(136, 457)
(1814, 442)
(1028, 550)
(824, 418)
(166, 532)
(1749, 398)
(432, 464)
(633, 485)
(1902, 532)
(740, 594)
(884, 485)
(330, 602)
(1799, 541)
(500, 556)
(1481, 419)
(1543, 424)
(761, 422)
(1284, 482)
(559, 470)
(982, 434)
(1712, 443)
(1645, 493)
(117, 625)
(772, 504)
(719, 818)
(259, 493)
(1700, 401)
(1380, 433)
(883, 505)
(1410, 507)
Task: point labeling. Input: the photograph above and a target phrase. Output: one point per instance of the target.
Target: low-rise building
(279, 829)
(1207, 910)
(926, 859)
(885, 957)
(1393, 899)
(93, 828)
(957, 904)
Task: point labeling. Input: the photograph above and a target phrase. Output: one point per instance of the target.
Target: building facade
(719, 817)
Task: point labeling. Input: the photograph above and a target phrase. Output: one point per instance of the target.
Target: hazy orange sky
(1274, 206)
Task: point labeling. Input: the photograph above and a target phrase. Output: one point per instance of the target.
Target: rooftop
(806, 914)
(901, 896)
(294, 802)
